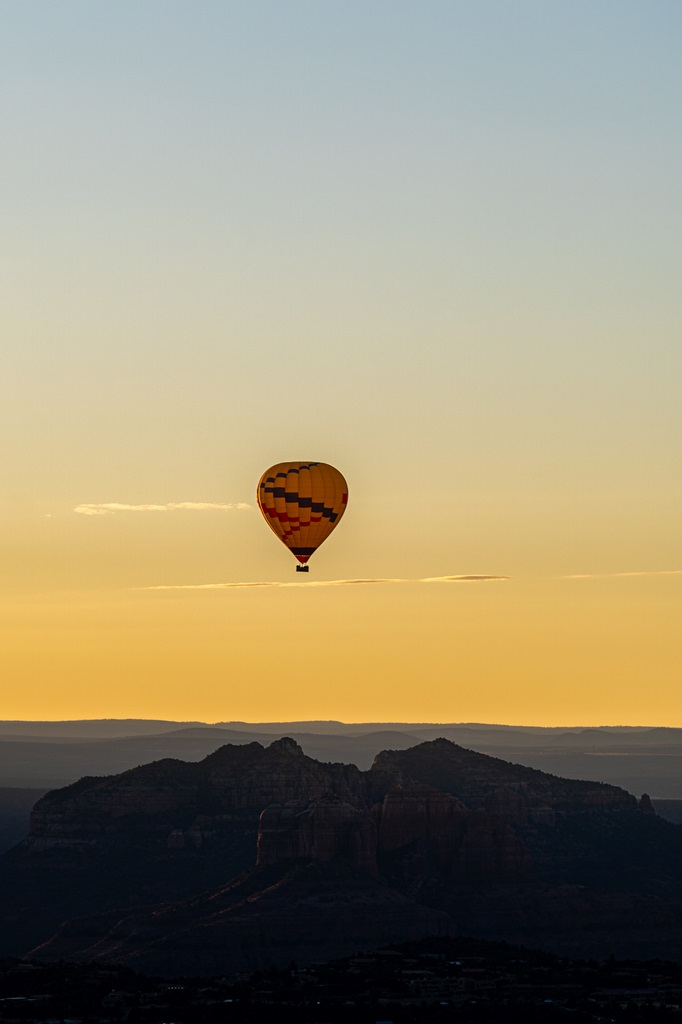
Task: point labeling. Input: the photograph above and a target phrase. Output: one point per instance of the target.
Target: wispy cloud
(110, 508)
(393, 580)
(616, 575)
(461, 579)
(325, 583)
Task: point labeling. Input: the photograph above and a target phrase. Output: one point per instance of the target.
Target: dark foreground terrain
(257, 856)
(432, 980)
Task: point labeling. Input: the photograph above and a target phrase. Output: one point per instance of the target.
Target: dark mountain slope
(578, 832)
(481, 781)
(302, 912)
(254, 852)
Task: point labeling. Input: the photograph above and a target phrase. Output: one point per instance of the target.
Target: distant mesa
(260, 854)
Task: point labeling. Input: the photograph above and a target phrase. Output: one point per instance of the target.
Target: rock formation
(174, 865)
(516, 793)
(182, 801)
(324, 830)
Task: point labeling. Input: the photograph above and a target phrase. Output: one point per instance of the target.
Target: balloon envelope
(302, 503)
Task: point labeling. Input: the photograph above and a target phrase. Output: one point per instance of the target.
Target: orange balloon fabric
(302, 502)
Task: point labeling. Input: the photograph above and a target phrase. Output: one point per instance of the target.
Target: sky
(436, 245)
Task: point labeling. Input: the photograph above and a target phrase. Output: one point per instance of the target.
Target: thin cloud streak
(325, 583)
(462, 579)
(272, 584)
(110, 508)
(617, 575)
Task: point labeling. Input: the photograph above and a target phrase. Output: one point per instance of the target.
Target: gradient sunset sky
(436, 244)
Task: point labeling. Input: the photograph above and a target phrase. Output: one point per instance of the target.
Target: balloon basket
(302, 568)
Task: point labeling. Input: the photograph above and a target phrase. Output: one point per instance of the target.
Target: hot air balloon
(302, 502)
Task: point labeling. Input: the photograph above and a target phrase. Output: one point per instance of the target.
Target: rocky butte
(263, 855)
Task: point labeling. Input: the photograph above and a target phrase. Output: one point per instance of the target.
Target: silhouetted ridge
(255, 852)
(475, 778)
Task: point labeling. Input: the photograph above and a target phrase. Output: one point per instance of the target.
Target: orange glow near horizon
(517, 652)
(407, 241)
